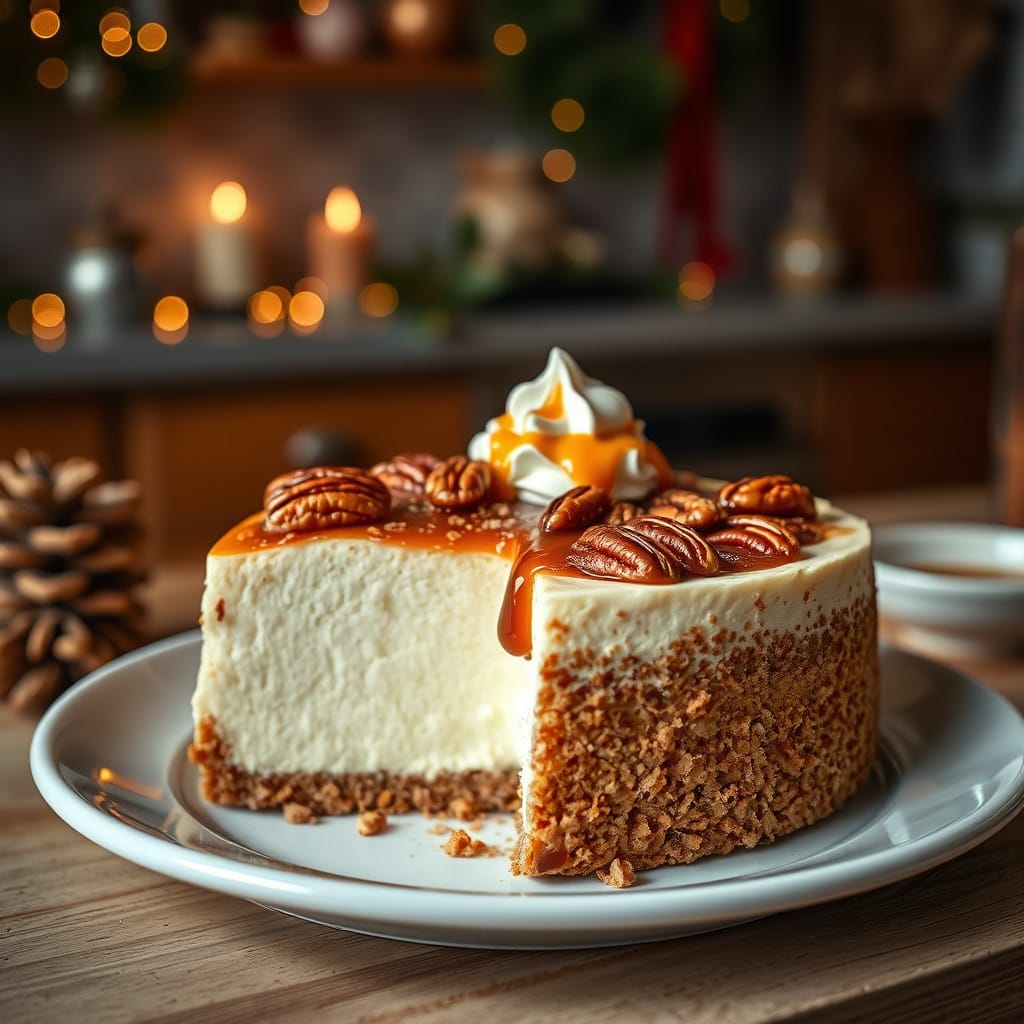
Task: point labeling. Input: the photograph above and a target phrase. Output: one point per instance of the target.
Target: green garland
(601, 53)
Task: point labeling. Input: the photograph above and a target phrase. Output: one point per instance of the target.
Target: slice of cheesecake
(646, 687)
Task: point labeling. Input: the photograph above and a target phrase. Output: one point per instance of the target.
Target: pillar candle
(340, 247)
(227, 270)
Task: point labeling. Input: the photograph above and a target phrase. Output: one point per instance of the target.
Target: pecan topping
(767, 495)
(687, 507)
(324, 497)
(622, 512)
(616, 552)
(458, 482)
(694, 554)
(750, 539)
(806, 531)
(406, 473)
(575, 509)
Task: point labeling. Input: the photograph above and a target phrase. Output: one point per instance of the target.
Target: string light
(266, 311)
(151, 37)
(696, 284)
(567, 115)
(45, 23)
(48, 310)
(170, 320)
(52, 73)
(305, 311)
(510, 39)
(378, 300)
(558, 165)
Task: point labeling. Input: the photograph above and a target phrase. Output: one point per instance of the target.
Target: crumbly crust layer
(458, 794)
(725, 742)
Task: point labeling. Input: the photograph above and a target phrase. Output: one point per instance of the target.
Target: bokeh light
(567, 115)
(314, 7)
(342, 210)
(151, 37)
(49, 339)
(558, 165)
(735, 11)
(228, 202)
(305, 311)
(116, 42)
(266, 307)
(170, 320)
(696, 283)
(510, 39)
(409, 16)
(378, 299)
(48, 310)
(45, 23)
(19, 316)
(314, 285)
(52, 73)
(116, 17)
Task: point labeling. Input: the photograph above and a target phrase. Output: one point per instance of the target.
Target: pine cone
(69, 562)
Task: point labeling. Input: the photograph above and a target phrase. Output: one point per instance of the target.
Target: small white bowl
(977, 602)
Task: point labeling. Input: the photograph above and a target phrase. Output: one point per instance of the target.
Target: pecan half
(749, 540)
(622, 512)
(575, 509)
(458, 482)
(406, 473)
(618, 553)
(323, 497)
(687, 507)
(694, 554)
(777, 495)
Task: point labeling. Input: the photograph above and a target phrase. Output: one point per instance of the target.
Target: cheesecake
(649, 667)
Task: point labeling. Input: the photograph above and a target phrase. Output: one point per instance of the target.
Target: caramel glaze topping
(508, 529)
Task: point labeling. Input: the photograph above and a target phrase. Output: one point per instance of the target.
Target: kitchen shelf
(298, 72)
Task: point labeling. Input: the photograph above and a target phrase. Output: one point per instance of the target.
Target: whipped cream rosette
(565, 429)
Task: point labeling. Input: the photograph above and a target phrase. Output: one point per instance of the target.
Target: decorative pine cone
(69, 562)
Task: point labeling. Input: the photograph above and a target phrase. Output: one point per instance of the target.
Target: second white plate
(109, 757)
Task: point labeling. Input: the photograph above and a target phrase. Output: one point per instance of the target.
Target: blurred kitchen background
(239, 237)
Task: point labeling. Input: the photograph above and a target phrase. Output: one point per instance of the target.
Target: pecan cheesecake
(649, 667)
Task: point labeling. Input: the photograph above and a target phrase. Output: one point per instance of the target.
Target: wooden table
(85, 936)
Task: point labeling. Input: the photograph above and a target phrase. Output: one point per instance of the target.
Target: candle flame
(342, 210)
(227, 204)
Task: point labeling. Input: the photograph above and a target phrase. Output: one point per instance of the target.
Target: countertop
(86, 936)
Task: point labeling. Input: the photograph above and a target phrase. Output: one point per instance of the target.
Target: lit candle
(340, 248)
(226, 264)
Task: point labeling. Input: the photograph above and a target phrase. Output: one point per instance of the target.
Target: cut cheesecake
(638, 688)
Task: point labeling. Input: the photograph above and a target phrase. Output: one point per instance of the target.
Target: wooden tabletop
(85, 936)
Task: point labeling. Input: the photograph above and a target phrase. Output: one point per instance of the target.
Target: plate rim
(355, 904)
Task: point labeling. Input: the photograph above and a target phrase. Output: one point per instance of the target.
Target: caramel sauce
(506, 529)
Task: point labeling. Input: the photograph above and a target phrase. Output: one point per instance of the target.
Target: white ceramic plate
(109, 757)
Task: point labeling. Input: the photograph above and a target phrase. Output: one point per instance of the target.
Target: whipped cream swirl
(565, 429)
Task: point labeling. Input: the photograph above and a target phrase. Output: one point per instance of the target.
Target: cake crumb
(619, 874)
(298, 814)
(461, 844)
(438, 829)
(371, 823)
(463, 808)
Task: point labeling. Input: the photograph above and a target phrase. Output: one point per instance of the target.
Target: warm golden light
(409, 16)
(314, 285)
(170, 319)
(567, 115)
(696, 283)
(509, 39)
(151, 37)
(314, 7)
(116, 17)
(19, 316)
(49, 339)
(116, 42)
(52, 73)
(342, 210)
(266, 307)
(282, 293)
(227, 204)
(378, 299)
(735, 10)
(48, 310)
(45, 23)
(558, 164)
(305, 310)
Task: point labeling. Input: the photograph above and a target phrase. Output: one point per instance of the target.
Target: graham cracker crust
(665, 762)
(458, 794)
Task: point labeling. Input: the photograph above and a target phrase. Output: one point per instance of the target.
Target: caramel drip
(508, 530)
